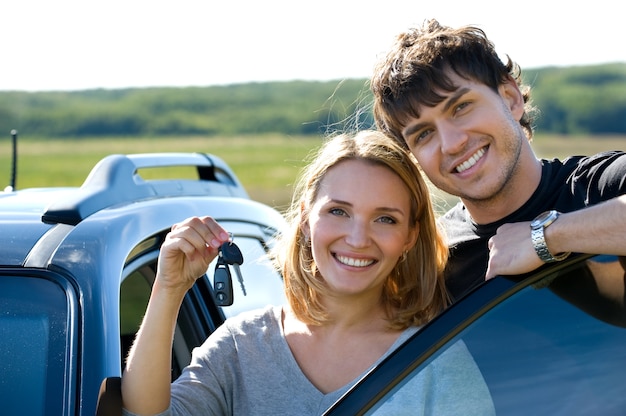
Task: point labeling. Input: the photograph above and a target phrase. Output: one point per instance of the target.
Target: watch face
(543, 218)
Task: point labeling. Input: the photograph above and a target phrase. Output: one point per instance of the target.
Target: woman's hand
(187, 251)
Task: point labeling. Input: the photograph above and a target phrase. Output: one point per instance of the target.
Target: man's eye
(421, 136)
(461, 106)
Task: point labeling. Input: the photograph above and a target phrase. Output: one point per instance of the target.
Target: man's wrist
(537, 235)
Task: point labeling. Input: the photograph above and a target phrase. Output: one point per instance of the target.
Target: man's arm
(597, 229)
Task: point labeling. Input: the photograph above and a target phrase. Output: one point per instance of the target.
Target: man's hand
(511, 251)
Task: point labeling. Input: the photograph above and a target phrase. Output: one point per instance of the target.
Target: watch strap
(539, 243)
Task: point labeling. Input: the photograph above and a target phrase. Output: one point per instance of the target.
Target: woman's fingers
(188, 249)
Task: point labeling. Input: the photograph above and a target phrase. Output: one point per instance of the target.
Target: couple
(363, 262)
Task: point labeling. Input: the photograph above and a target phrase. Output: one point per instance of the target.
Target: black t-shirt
(566, 186)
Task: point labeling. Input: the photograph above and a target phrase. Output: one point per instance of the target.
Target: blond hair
(415, 291)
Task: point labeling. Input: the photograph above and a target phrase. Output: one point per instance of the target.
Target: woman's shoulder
(266, 317)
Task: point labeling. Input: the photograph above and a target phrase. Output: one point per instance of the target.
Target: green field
(266, 165)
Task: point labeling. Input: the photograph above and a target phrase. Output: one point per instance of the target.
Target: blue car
(77, 265)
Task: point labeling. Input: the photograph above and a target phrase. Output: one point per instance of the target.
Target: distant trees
(572, 100)
(580, 100)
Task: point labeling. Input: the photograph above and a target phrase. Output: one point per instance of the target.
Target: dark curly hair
(415, 68)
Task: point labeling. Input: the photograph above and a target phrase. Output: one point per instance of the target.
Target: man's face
(470, 143)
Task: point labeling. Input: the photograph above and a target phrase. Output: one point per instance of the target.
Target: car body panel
(88, 241)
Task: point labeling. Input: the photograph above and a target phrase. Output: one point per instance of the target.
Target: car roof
(113, 190)
(20, 220)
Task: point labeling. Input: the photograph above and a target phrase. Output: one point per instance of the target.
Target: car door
(199, 316)
(538, 352)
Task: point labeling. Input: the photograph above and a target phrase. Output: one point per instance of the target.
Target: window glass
(542, 355)
(34, 344)
(537, 354)
(263, 284)
(134, 295)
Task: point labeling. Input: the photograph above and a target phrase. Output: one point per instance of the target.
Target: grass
(266, 165)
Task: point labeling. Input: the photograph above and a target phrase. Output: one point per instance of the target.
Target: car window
(134, 295)
(262, 283)
(537, 354)
(36, 326)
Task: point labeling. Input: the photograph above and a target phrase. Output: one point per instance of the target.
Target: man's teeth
(349, 261)
(470, 162)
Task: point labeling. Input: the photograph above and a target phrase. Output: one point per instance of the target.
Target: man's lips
(471, 161)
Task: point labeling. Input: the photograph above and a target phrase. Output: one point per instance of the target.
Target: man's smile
(471, 161)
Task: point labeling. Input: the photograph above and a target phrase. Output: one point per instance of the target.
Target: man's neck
(510, 198)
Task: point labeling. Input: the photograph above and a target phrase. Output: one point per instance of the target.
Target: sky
(67, 45)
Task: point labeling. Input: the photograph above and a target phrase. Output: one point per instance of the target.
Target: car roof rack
(114, 180)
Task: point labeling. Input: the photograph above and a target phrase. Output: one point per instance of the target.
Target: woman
(362, 263)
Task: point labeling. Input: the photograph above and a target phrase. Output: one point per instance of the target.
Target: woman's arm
(185, 255)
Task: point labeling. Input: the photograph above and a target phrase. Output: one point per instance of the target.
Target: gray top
(246, 368)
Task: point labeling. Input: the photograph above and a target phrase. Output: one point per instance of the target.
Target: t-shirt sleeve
(603, 175)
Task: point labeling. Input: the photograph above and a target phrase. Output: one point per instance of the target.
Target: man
(465, 115)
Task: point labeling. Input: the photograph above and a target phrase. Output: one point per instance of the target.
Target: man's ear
(513, 97)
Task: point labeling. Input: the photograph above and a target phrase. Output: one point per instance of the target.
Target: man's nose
(452, 138)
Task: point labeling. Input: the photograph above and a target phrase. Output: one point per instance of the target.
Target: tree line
(572, 100)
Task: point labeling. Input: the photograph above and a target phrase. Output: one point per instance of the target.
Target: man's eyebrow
(449, 102)
(454, 98)
(409, 131)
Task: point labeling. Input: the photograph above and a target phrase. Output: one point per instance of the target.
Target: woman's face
(359, 226)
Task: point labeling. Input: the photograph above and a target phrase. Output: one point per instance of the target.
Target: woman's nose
(358, 234)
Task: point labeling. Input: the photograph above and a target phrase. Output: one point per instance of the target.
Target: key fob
(222, 285)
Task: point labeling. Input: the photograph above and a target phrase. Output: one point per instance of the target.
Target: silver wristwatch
(541, 222)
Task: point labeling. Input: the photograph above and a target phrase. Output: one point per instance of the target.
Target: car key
(232, 255)
(222, 284)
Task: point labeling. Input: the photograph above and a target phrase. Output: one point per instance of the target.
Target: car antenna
(11, 186)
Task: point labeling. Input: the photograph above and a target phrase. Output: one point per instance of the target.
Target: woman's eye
(387, 220)
(337, 211)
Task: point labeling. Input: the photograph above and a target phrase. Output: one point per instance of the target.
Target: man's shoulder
(455, 217)
(580, 162)
(601, 174)
(458, 225)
